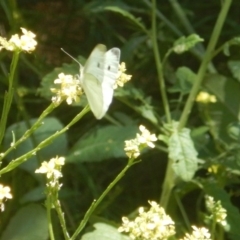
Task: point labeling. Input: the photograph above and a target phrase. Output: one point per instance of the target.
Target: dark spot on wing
(109, 67)
(98, 65)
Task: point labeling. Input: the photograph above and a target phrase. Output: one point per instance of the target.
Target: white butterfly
(98, 77)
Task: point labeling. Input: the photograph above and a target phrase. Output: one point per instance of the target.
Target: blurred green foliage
(77, 26)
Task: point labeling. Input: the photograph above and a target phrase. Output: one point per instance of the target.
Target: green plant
(189, 97)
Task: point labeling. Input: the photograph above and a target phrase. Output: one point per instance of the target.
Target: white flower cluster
(198, 234)
(70, 89)
(154, 224)
(134, 146)
(217, 211)
(4, 194)
(52, 169)
(25, 42)
(122, 76)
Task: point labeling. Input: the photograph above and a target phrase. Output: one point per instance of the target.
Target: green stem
(213, 228)
(164, 19)
(159, 64)
(49, 207)
(13, 164)
(30, 131)
(99, 200)
(9, 95)
(61, 219)
(182, 210)
(211, 46)
(168, 185)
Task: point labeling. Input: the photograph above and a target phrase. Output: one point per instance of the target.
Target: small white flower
(48, 168)
(69, 89)
(122, 76)
(217, 211)
(4, 194)
(146, 137)
(52, 169)
(59, 161)
(151, 224)
(198, 234)
(133, 146)
(25, 42)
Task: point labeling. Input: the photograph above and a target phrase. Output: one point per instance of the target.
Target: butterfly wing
(98, 78)
(111, 65)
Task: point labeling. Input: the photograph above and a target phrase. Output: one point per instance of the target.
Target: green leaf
(234, 131)
(234, 67)
(127, 15)
(233, 217)
(104, 231)
(183, 44)
(147, 112)
(131, 47)
(200, 137)
(185, 80)
(135, 98)
(233, 41)
(36, 194)
(226, 109)
(49, 127)
(104, 143)
(182, 152)
(29, 223)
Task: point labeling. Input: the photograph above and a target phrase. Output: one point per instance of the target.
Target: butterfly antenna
(71, 57)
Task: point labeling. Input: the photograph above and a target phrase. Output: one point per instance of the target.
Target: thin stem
(49, 207)
(182, 16)
(198, 53)
(165, 20)
(61, 219)
(159, 64)
(14, 163)
(99, 200)
(9, 95)
(213, 228)
(30, 131)
(211, 46)
(168, 185)
(182, 210)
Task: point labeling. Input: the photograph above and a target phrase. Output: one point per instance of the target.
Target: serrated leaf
(127, 15)
(233, 216)
(29, 223)
(104, 143)
(185, 80)
(183, 153)
(183, 44)
(49, 127)
(104, 231)
(234, 67)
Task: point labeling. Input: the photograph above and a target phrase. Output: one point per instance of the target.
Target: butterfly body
(98, 77)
